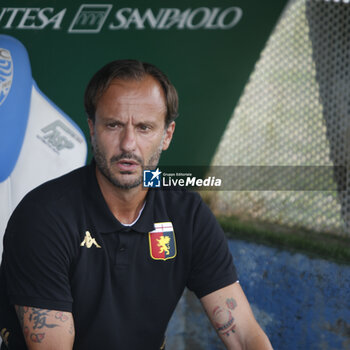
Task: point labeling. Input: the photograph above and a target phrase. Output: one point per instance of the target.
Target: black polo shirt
(64, 250)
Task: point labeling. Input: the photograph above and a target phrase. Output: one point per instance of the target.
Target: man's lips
(127, 164)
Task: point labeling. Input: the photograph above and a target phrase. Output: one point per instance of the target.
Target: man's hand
(46, 329)
(231, 315)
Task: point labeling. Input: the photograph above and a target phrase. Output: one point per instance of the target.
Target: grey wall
(301, 303)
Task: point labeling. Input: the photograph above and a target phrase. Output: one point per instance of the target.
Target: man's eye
(113, 125)
(144, 127)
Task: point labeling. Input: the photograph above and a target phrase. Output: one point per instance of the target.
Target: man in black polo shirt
(93, 260)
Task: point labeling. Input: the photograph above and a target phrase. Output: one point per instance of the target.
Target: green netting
(295, 111)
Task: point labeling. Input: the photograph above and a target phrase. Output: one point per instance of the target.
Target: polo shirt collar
(146, 221)
(104, 219)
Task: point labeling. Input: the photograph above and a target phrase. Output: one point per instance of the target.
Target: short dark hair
(129, 70)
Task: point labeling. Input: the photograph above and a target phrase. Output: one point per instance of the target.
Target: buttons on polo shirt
(122, 259)
(122, 246)
(117, 245)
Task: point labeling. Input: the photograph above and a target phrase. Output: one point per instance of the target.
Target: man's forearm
(258, 342)
(46, 329)
(229, 311)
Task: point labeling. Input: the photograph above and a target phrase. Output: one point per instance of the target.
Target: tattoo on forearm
(37, 337)
(61, 316)
(38, 319)
(231, 303)
(25, 331)
(38, 316)
(21, 310)
(71, 327)
(223, 319)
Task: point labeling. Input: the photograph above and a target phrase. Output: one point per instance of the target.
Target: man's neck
(125, 204)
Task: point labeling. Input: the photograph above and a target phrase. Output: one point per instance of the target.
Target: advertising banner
(207, 48)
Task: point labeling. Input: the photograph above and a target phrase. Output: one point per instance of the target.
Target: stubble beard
(105, 167)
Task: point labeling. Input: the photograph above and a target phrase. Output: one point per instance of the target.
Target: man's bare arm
(229, 312)
(46, 329)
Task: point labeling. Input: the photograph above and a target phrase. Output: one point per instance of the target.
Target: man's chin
(127, 184)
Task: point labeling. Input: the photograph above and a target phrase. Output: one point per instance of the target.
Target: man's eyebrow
(145, 122)
(111, 120)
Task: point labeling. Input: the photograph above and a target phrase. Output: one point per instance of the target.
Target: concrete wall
(301, 303)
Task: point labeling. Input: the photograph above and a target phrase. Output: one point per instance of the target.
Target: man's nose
(128, 140)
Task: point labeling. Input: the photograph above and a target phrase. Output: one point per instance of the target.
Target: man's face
(128, 133)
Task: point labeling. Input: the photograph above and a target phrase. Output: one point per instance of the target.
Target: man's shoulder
(67, 187)
(48, 205)
(180, 199)
(59, 187)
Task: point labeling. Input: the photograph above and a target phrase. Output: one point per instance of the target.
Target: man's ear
(168, 135)
(91, 127)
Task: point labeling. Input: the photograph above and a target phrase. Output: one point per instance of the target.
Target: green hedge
(318, 245)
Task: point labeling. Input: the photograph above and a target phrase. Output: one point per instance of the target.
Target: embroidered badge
(162, 242)
(89, 241)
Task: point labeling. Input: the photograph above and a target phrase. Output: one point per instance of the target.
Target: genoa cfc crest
(162, 244)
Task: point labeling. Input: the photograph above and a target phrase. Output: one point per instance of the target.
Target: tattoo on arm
(71, 327)
(26, 331)
(64, 318)
(38, 319)
(38, 316)
(37, 337)
(61, 316)
(21, 310)
(223, 320)
(231, 303)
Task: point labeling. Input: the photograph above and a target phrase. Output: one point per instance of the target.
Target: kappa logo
(162, 241)
(59, 136)
(6, 74)
(89, 241)
(90, 18)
